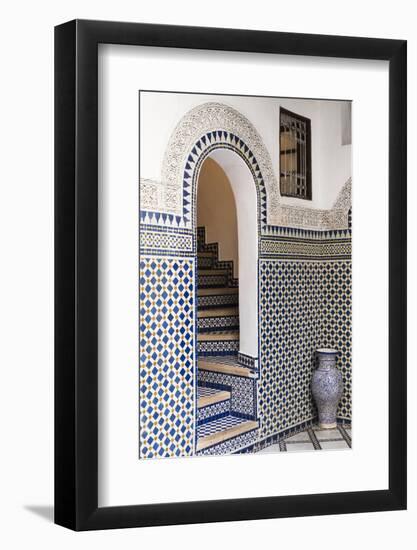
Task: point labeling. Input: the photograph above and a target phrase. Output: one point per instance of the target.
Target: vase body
(327, 387)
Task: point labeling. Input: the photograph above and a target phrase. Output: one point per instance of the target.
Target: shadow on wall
(216, 211)
(45, 512)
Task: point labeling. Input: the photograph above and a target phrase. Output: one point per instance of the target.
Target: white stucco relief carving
(166, 195)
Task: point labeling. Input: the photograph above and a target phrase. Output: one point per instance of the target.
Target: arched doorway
(220, 132)
(227, 303)
(218, 265)
(169, 224)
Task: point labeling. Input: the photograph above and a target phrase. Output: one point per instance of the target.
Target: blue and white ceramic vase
(327, 387)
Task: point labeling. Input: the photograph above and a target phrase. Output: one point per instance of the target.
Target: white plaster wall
(335, 158)
(216, 211)
(244, 191)
(161, 112)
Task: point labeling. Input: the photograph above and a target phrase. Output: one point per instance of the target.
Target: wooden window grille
(295, 155)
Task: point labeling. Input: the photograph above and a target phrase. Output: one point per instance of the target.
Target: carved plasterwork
(167, 196)
(212, 117)
(315, 218)
(344, 199)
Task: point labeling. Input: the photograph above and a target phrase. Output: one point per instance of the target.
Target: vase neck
(326, 361)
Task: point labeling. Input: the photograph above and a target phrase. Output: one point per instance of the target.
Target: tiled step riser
(208, 324)
(212, 347)
(205, 262)
(201, 237)
(222, 430)
(232, 445)
(212, 281)
(206, 302)
(243, 389)
(211, 412)
(213, 248)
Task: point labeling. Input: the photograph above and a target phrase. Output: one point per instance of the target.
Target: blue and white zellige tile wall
(166, 353)
(305, 304)
(305, 296)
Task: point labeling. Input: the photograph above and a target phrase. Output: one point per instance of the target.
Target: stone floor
(314, 439)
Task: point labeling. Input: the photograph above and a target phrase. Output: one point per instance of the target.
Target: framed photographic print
(230, 275)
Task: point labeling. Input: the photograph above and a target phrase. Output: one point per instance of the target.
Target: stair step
(205, 254)
(218, 291)
(226, 318)
(210, 396)
(219, 336)
(231, 311)
(212, 404)
(211, 344)
(206, 262)
(224, 364)
(213, 271)
(222, 429)
(213, 280)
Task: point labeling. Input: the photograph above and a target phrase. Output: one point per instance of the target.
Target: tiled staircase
(221, 427)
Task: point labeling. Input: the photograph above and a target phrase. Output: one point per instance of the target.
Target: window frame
(309, 178)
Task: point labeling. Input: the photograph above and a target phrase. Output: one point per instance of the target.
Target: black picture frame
(76, 271)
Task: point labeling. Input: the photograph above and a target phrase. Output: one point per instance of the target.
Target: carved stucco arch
(228, 128)
(209, 126)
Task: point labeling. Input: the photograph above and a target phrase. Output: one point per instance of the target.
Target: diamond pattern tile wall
(303, 306)
(336, 324)
(166, 380)
(243, 390)
(304, 303)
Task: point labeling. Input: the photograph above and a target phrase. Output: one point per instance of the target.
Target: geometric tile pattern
(215, 410)
(225, 360)
(217, 347)
(203, 391)
(306, 249)
(184, 217)
(335, 329)
(313, 439)
(189, 130)
(233, 445)
(166, 364)
(203, 147)
(212, 261)
(247, 361)
(233, 130)
(201, 238)
(205, 262)
(206, 324)
(218, 425)
(165, 242)
(219, 418)
(316, 296)
(218, 300)
(304, 305)
(212, 281)
(243, 391)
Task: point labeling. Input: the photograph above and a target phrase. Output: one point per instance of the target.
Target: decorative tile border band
(247, 361)
(306, 249)
(158, 242)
